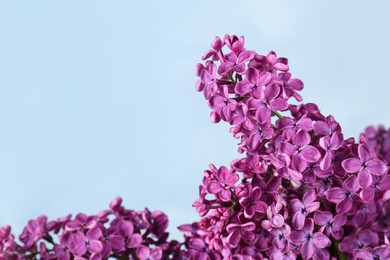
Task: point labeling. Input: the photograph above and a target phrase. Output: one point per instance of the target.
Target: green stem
(277, 114)
(341, 255)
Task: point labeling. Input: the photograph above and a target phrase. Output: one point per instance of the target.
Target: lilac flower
(302, 209)
(360, 240)
(223, 104)
(200, 250)
(281, 237)
(225, 181)
(34, 231)
(379, 185)
(308, 240)
(330, 225)
(235, 63)
(208, 81)
(238, 231)
(291, 86)
(131, 239)
(253, 83)
(81, 222)
(259, 134)
(365, 165)
(290, 126)
(266, 104)
(301, 151)
(253, 204)
(144, 253)
(376, 253)
(345, 195)
(234, 43)
(215, 52)
(330, 145)
(87, 243)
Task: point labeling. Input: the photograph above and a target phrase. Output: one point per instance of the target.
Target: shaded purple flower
(376, 253)
(291, 86)
(131, 239)
(34, 231)
(87, 243)
(360, 240)
(235, 63)
(330, 225)
(145, 253)
(239, 231)
(223, 104)
(253, 204)
(365, 165)
(253, 83)
(308, 240)
(300, 150)
(81, 222)
(265, 104)
(330, 145)
(302, 209)
(222, 186)
(345, 195)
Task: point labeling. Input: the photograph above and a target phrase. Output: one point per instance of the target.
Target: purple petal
(344, 206)
(336, 195)
(352, 165)
(271, 92)
(135, 241)
(350, 184)
(297, 237)
(376, 167)
(252, 75)
(143, 252)
(307, 250)
(94, 233)
(310, 154)
(301, 139)
(288, 148)
(95, 246)
(225, 67)
(322, 217)
(245, 56)
(279, 104)
(216, 102)
(309, 197)
(214, 187)
(298, 220)
(364, 152)
(364, 178)
(320, 240)
(244, 87)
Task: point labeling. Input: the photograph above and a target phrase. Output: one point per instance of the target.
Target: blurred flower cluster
(301, 190)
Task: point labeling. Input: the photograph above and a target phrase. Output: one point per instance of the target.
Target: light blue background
(97, 98)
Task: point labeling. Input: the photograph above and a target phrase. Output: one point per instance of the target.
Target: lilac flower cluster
(302, 189)
(117, 233)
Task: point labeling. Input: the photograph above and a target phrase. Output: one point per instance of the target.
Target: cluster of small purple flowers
(117, 233)
(300, 191)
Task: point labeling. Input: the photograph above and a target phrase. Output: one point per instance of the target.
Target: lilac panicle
(296, 169)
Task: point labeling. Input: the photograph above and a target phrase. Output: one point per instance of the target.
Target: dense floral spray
(300, 190)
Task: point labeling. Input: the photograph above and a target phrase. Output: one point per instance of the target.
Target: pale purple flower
(235, 63)
(222, 186)
(253, 204)
(376, 253)
(238, 231)
(308, 240)
(34, 231)
(330, 145)
(223, 104)
(253, 83)
(302, 209)
(87, 243)
(300, 150)
(291, 86)
(345, 195)
(330, 225)
(145, 253)
(265, 104)
(360, 240)
(365, 165)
